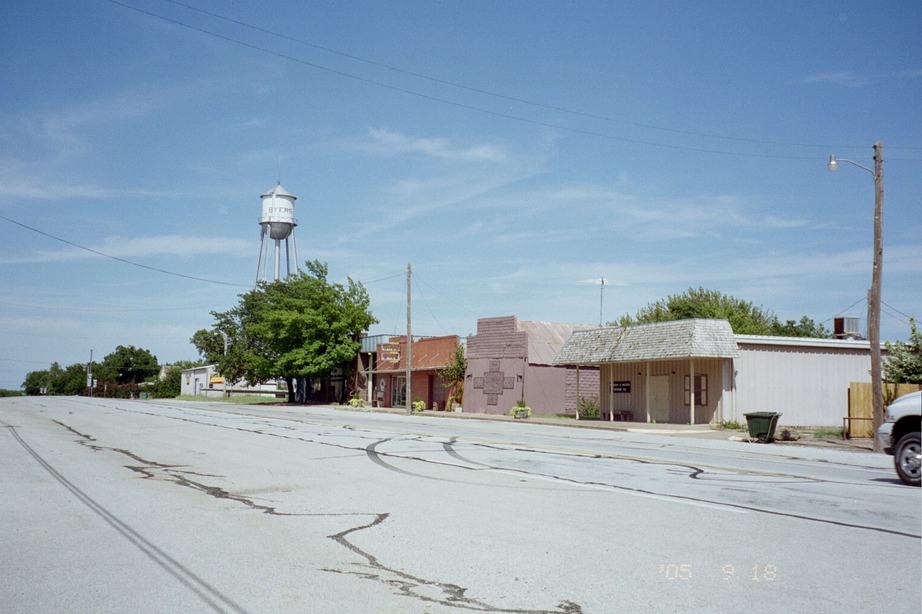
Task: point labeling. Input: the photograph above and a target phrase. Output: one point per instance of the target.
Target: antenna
(601, 282)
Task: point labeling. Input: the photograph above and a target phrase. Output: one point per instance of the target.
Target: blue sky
(511, 151)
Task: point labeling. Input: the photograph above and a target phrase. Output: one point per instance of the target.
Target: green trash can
(762, 425)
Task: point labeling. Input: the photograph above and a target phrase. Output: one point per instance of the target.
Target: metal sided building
(698, 372)
(805, 379)
(511, 360)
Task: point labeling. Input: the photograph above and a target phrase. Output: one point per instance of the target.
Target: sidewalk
(701, 431)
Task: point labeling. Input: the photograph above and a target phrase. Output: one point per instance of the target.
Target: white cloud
(847, 78)
(843, 78)
(390, 143)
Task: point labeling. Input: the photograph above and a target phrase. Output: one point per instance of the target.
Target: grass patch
(731, 425)
(828, 431)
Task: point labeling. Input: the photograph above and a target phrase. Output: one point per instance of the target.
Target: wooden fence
(860, 421)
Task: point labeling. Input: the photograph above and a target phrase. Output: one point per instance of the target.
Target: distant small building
(206, 381)
(511, 360)
(697, 371)
(430, 354)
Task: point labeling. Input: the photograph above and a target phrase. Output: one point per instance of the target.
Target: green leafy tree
(127, 365)
(745, 318)
(56, 380)
(805, 328)
(72, 380)
(170, 385)
(36, 381)
(453, 377)
(299, 327)
(904, 361)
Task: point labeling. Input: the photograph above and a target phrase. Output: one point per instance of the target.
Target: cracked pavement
(164, 506)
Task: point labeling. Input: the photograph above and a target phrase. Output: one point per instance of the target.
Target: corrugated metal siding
(809, 385)
(370, 343)
(545, 339)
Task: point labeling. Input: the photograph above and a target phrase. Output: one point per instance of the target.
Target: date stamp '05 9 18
(753, 573)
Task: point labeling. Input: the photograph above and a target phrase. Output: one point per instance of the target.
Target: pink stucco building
(510, 360)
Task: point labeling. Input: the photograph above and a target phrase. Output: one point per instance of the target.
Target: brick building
(429, 355)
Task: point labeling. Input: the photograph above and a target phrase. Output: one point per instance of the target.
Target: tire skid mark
(402, 583)
(695, 474)
(216, 600)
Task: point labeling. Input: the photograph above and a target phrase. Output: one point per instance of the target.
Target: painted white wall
(806, 381)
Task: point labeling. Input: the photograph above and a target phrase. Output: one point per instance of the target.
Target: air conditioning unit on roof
(846, 328)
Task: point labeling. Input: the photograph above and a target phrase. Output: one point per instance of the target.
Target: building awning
(679, 339)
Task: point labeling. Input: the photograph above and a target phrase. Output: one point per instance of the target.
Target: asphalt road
(169, 506)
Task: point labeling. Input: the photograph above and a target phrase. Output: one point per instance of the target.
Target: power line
(461, 105)
(100, 309)
(896, 310)
(507, 97)
(377, 279)
(122, 260)
(446, 296)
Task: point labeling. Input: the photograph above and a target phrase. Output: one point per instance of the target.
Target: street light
(877, 396)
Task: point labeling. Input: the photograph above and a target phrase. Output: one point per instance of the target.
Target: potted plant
(520, 410)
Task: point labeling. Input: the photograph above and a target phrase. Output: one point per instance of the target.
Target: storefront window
(399, 392)
(701, 390)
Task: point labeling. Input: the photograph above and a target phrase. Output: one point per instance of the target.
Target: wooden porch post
(577, 392)
(691, 388)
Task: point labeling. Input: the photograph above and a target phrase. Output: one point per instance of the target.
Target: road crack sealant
(402, 583)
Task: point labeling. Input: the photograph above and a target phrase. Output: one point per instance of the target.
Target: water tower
(277, 222)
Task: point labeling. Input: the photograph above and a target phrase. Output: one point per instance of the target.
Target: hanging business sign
(390, 352)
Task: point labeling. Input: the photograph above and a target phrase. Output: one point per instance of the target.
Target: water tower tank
(278, 214)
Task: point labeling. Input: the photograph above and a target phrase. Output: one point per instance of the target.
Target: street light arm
(833, 164)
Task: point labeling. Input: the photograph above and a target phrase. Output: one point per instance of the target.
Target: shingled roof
(698, 338)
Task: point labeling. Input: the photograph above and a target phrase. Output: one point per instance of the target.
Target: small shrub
(588, 408)
(357, 402)
(732, 425)
(418, 406)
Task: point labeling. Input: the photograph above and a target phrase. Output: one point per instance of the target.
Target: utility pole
(877, 394)
(409, 342)
(89, 375)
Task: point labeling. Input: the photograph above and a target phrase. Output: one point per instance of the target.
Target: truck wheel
(908, 458)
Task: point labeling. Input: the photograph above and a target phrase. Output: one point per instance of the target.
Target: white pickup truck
(899, 436)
